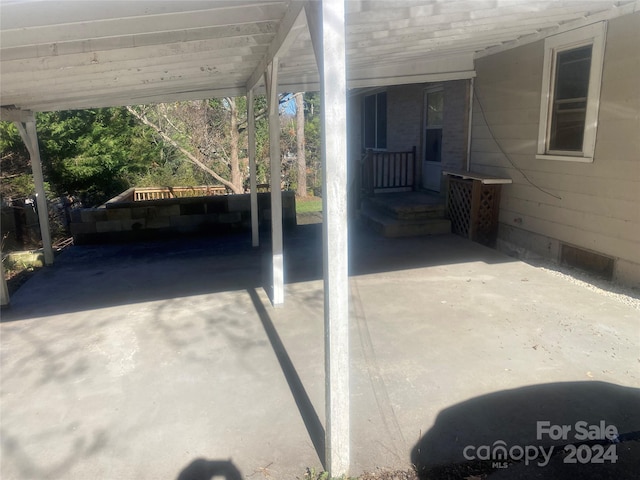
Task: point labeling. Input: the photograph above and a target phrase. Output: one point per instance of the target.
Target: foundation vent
(588, 261)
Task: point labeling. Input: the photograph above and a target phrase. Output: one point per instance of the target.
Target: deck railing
(390, 171)
(155, 193)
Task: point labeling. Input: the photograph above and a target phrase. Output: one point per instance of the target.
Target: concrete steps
(406, 215)
(410, 206)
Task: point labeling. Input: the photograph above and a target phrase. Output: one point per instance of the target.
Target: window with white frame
(375, 121)
(571, 78)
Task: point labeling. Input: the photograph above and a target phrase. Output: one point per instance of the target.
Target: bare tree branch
(262, 113)
(192, 158)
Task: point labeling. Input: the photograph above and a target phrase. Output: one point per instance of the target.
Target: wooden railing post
(367, 173)
(414, 162)
(388, 170)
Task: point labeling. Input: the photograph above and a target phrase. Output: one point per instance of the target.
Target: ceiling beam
(424, 46)
(361, 80)
(424, 65)
(16, 15)
(12, 114)
(162, 71)
(387, 42)
(424, 36)
(140, 24)
(136, 93)
(88, 101)
(291, 26)
(609, 14)
(207, 48)
(55, 50)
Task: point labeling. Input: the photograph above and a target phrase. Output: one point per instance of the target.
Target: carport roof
(80, 54)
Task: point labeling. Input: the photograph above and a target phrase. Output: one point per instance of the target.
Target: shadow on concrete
(307, 411)
(91, 277)
(371, 253)
(202, 469)
(501, 434)
(82, 444)
(98, 276)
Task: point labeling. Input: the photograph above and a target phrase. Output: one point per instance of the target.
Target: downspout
(470, 123)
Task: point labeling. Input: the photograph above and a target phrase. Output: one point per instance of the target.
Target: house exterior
(407, 125)
(560, 117)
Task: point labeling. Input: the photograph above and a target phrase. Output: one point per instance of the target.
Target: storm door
(432, 140)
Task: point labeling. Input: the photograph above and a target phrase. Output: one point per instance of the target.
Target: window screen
(571, 87)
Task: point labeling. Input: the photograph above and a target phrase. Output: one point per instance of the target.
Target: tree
(313, 140)
(91, 153)
(199, 137)
(15, 169)
(234, 147)
(98, 153)
(211, 135)
(301, 189)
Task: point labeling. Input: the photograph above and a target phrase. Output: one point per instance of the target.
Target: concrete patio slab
(133, 361)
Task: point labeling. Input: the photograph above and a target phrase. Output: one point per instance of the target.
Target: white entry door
(432, 140)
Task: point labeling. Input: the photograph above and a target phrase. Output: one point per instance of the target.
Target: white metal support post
(271, 82)
(4, 290)
(29, 134)
(251, 126)
(326, 22)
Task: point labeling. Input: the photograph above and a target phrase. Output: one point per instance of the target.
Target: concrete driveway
(134, 361)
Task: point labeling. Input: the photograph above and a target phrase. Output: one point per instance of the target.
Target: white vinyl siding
(594, 205)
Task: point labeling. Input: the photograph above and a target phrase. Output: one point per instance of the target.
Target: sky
(289, 106)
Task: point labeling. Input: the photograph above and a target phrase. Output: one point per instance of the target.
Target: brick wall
(404, 117)
(455, 128)
(405, 110)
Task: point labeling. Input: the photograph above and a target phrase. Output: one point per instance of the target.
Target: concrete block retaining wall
(122, 219)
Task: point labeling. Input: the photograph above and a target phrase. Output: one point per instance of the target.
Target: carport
(133, 361)
(71, 55)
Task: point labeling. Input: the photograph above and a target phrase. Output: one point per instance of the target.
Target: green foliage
(171, 171)
(312, 103)
(262, 140)
(313, 474)
(17, 180)
(313, 141)
(10, 139)
(312, 145)
(23, 261)
(22, 186)
(94, 153)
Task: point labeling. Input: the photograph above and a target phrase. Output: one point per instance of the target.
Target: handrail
(388, 170)
(155, 193)
(366, 168)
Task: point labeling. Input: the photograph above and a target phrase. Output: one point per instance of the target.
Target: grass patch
(308, 205)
